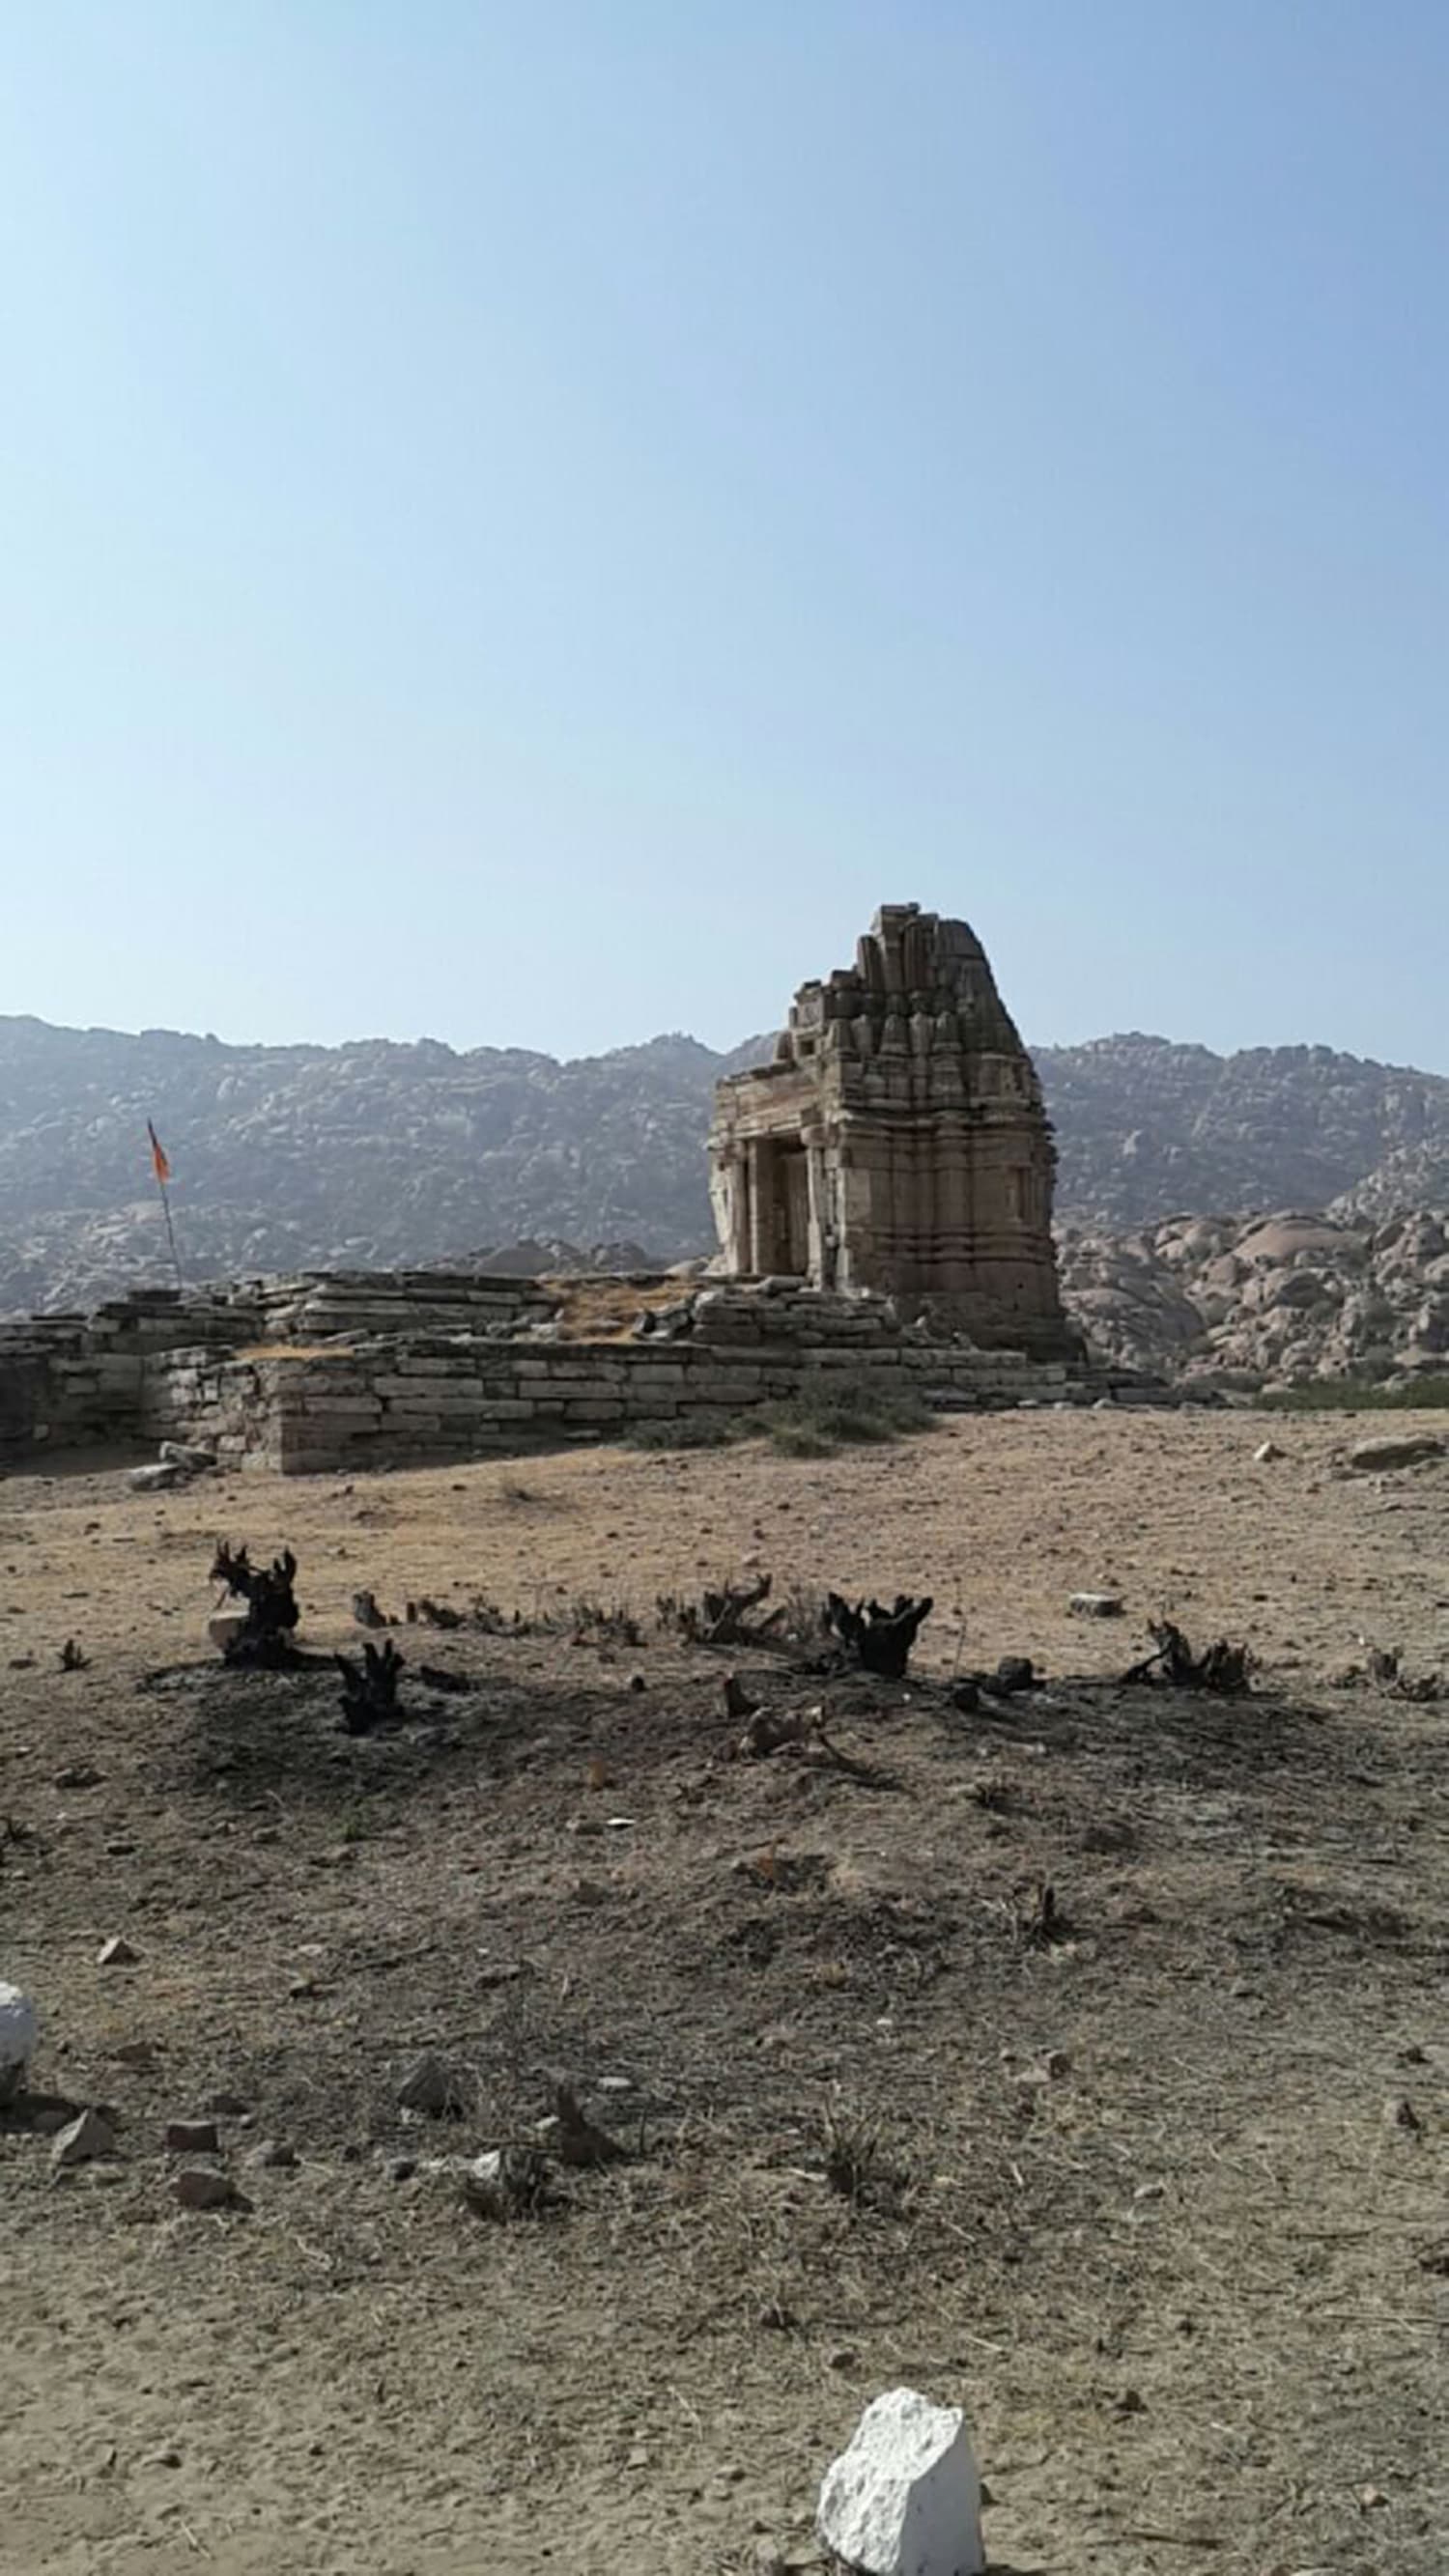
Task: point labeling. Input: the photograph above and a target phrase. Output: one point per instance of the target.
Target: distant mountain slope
(375, 1153)
(1148, 1130)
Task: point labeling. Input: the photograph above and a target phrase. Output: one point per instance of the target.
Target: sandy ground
(1144, 2198)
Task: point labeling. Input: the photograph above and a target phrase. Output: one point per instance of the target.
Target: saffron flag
(159, 1164)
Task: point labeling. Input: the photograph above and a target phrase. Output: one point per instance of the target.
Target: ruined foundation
(308, 1376)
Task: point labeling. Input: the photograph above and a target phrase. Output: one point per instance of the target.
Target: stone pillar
(759, 1158)
(821, 1261)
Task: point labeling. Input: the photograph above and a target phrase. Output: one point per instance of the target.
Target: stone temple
(899, 1143)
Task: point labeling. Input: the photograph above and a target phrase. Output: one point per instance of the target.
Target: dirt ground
(1159, 2199)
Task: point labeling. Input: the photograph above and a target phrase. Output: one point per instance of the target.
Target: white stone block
(905, 2498)
(17, 2039)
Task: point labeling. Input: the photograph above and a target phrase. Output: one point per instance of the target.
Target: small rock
(1013, 1673)
(227, 2106)
(78, 1775)
(905, 2498)
(272, 2155)
(1267, 1453)
(430, 2087)
(116, 1953)
(80, 2140)
(203, 2187)
(616, 2083)
(1371, 2498)
(401, 2168)
(192, 2138)
(1381, 1457)
(1096, 1605)
(158, 1479)
(637, 1682)
(1401, 2114)
(191, 1461)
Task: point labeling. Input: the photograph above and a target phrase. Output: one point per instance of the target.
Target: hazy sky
(524, 523)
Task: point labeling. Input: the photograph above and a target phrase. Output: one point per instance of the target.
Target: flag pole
(162, 1169)
(171, 1236)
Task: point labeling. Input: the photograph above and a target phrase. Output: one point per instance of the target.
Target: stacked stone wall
(408, 1403)
(286, 1374)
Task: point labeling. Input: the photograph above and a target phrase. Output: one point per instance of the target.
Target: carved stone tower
(898, 1142)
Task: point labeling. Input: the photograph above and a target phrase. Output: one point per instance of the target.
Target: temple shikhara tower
(898, 1142)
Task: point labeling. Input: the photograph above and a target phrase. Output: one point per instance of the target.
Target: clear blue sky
(524, 523)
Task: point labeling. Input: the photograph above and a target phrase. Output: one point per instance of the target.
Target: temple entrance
(781, 1213)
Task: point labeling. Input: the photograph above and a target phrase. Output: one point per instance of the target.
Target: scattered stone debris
(1220, 1667)
(80, 2141)
(880, 1639)
(1096, 1605)
(1267, 1453)
(904, 2499)
(369, 1688)
(19, 2025)
(269, 1592)
(116, 1953)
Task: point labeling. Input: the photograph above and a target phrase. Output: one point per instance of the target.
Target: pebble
(116, 1953)
(273, 2155)
(80, 2140)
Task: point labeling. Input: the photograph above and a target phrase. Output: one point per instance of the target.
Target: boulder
(17, 2039)
(905, 2498)
(1380, 1457)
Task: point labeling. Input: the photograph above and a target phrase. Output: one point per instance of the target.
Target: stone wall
(334, 1371)
(400, 1403)
(79, 1381)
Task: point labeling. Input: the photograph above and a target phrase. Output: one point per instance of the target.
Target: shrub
(832, 1416)
(1357, 1395)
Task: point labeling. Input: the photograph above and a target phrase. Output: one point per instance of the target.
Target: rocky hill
(1267, 1300)
(374, 1153)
